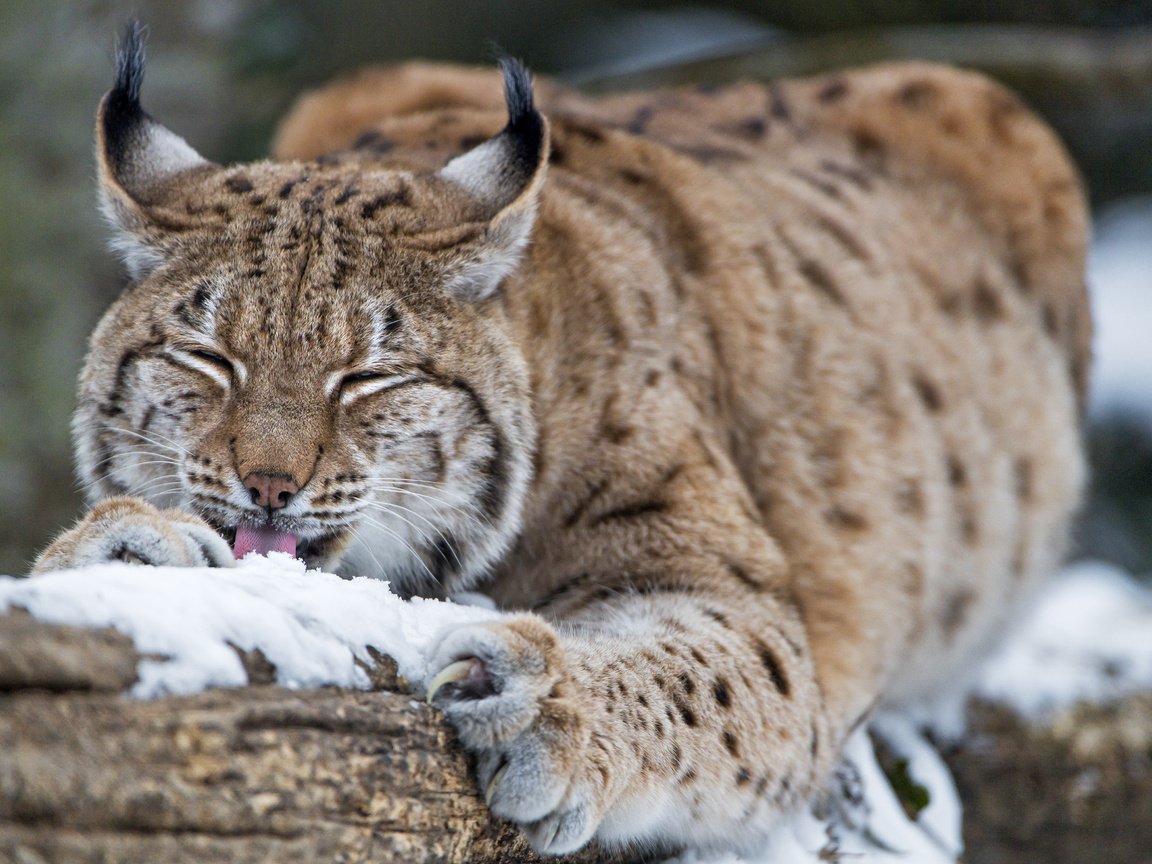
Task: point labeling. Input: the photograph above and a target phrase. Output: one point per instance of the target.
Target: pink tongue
(258, 538)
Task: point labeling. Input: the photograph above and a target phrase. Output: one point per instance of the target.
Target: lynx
(756, 407)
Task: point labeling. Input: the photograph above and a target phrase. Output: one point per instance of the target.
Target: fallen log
(263, 773)
(254, 774)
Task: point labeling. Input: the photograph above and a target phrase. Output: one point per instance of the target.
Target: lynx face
(313, 357)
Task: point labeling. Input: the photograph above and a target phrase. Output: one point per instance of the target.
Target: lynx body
(762, 403)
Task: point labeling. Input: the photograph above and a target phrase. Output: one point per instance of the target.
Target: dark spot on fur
(741, 575)
(1051, 320)
(743, 776)
(917, 95)
(820, 184)
(468, 142)
(633, 177)
(562, 590)
(986, 302)
(822, 280)
(687, 684)
(928, 392)
(775, 671)
(288, 186)
(374, 141)
(721, 692)
(719, 617)
(238, 183)
(833, 91)
(1003, 110)
(750, 128)
(778, 106)
(845, 237)
(913, 578)
(910, 498)
(1024, 473)
(589, 133)
(846, 520)
(686, 712)
(955, 610)
(635, 510)
(957, 473)
(639, 122)
(611, 427)
(852, 174)
(869, 149)
(396, 198)
(969, 529)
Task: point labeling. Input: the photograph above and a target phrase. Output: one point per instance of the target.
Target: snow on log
(262, 713)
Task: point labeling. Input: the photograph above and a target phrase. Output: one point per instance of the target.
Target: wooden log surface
(267, 774)
(257, 774)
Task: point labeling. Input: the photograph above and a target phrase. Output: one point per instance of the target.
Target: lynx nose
(272, 491)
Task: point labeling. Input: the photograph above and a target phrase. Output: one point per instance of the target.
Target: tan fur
(798, 370)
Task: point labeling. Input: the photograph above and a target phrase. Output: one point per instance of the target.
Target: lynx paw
(505, 688)
(133, 531)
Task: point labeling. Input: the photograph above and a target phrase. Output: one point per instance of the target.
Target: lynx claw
(490, 791)
(456, 674)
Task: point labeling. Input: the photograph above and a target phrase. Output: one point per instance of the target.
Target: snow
(1088, 638)
(1120, 278)
(311, 626)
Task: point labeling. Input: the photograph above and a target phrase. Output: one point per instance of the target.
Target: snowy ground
(1090, 636)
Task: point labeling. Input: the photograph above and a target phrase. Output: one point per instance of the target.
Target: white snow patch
(1120, 277)
(312, 626)
(1087, 637)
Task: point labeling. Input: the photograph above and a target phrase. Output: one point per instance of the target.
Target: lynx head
(314, 357)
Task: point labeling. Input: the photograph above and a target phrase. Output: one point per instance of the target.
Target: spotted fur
(762, 401)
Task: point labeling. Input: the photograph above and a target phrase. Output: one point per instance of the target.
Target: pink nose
(273, 491)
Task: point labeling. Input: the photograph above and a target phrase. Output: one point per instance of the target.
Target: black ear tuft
(130, 63)
(525, 127)
(517, 90)
(122, 112)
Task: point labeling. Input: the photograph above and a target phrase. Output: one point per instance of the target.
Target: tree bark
(258, 774)
(265, 774)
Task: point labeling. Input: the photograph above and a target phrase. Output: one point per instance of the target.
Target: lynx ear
(135, 156)
(504, 174)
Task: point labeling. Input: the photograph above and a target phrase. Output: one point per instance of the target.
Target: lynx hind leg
(135, 532)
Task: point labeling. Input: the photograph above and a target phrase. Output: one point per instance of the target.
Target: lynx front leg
(133, 531)
(662, 716)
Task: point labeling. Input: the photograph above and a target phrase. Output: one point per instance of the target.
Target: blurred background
(221, 71)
